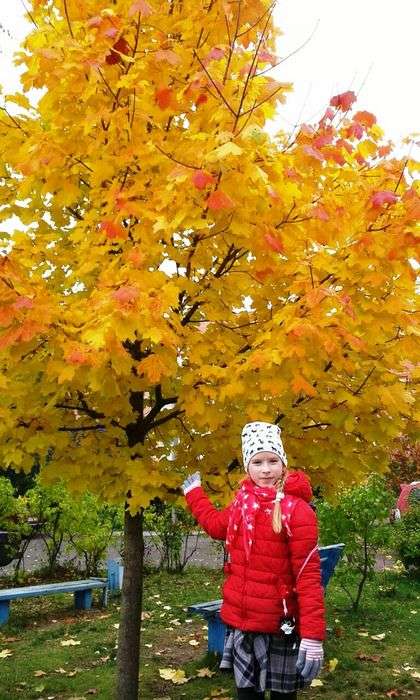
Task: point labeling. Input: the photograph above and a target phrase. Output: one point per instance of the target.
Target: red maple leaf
(119, 47)
(367, 119)
(112, 229)
(219, 200)
(125, 296)
(140, 6)
(201, 179)
(343, 101)
(383, 197)
(311, 151)
(274, 242)
(163, 97)
(215, 54)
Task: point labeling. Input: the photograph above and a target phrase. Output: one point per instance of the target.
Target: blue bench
(82, 591)
(330, 557)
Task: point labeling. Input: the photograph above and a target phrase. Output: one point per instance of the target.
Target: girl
(273, 603)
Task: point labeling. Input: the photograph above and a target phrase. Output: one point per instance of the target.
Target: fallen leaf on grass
(205, 673)
(332, 665)
(316, 683)
(177, 676)
(39, 674)
(4, 653)
(193, 642)
(39, 688)
(415, 675)
(363, 634)
(378, 637)
(368, 657)
(393, 693)
(9, 640)
(69, 642)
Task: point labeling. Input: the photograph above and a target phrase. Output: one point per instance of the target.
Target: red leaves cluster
(378, 199)
(120, 47)
(113, 230)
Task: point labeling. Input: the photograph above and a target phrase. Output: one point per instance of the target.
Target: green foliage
(406, 538)
(13, 520)
(360, 520)
(172, 530)
(90, 526)
(84, 523)
(48, 505)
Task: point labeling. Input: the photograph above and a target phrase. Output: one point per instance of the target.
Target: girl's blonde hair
(276, 521)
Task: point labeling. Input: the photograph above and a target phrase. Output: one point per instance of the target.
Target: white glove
(310, 658)
(191, 482)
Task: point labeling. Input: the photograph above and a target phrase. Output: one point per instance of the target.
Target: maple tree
(175, 271)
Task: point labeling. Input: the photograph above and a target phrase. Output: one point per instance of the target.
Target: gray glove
(191, 482)
(310, 658)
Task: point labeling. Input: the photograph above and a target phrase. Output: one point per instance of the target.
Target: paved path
(208, 554)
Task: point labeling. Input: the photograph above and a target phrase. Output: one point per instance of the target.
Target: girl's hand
(191, 482)
(310, 658)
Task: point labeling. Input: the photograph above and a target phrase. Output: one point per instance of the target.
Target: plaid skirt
(262, 661)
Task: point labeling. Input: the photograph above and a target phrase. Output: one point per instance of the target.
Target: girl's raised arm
(212, 520)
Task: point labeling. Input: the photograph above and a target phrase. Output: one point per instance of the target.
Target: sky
(369, 46)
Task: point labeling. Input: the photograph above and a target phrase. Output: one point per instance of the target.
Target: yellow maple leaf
(177, 676)
(332, 665)
(205, 673)
(4, 653)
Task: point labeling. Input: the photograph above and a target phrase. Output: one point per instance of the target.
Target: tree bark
(128, 656)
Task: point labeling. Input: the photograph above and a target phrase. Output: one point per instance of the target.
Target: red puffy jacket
(281, 566)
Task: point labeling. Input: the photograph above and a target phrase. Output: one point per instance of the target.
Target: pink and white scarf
(248, 501)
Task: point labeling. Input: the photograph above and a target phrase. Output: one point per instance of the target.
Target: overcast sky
(369, 46)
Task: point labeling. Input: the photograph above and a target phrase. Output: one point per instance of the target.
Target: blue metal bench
(82, 594)
(330, 557)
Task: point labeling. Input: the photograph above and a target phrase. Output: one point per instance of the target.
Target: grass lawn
(57, 653)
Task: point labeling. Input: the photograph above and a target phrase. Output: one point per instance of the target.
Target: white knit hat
(261, 437)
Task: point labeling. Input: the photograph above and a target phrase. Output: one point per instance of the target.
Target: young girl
(273, 602)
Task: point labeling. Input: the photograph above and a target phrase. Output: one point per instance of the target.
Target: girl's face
(265, 468)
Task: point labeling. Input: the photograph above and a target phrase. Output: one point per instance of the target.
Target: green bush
(90, 526)
(84, 525)
(14, 521)
(172, 529)
(406, 538)
(360, 520)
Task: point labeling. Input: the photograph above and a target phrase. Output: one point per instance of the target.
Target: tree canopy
(175, 271)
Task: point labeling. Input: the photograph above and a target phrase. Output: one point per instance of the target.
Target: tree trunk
(131, 603)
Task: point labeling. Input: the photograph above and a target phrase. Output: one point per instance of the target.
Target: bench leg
(216, 634)
(83, 600)
(4, 611)
(104, 598)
